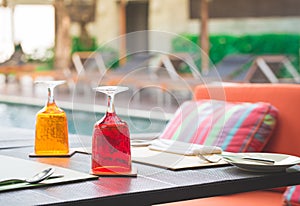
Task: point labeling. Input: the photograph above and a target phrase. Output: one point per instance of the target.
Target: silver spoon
(32, 180)
(40, 176)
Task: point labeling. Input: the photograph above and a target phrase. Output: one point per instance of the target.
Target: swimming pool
(22, 115)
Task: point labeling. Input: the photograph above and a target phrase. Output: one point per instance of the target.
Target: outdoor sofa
(284, 139)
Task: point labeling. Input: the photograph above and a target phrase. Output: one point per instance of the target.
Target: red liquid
(111, 146)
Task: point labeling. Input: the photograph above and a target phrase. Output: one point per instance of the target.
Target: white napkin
(143, 136)
(182, 148)
(142, 139)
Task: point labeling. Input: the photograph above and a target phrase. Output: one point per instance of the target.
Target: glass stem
(111, 106)
(50, 95)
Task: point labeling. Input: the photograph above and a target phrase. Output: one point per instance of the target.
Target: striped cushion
(235, 127)
(292, 196)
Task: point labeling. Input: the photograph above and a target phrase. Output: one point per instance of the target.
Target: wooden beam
(204, 39)
(122, 20)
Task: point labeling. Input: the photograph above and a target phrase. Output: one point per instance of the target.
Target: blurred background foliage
(220, 47)
(110, 54)
(258, 44)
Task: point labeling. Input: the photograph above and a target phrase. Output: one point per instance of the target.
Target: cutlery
(40, 176)
(254, 159)
(261, 160)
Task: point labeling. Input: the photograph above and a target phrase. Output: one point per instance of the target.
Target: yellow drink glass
(51, 127)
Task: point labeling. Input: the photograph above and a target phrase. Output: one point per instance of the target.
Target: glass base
(132, 173)
(69, 154)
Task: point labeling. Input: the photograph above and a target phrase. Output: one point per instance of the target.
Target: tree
(62, 36)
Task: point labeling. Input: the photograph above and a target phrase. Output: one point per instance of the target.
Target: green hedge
(78, 45)
(223, 45)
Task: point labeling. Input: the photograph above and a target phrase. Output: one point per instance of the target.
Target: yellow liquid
(51, 131)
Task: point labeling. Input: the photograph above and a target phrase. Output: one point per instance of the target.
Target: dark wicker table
(152, 185)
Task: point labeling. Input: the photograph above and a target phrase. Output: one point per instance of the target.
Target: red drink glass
(111, 139)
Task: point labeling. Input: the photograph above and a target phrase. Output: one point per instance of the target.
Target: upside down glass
(51, 127)
(111, 141)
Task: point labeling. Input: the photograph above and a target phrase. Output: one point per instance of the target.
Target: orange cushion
(257, 198)
(285, 97)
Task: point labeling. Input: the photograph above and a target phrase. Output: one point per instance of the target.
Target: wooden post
(63, 39)
(204, 39)
(122, 20)
(4, 3)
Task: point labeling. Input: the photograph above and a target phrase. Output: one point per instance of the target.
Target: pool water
(79, 122)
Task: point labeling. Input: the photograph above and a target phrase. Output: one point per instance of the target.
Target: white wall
(249, 25)
(106, 27)
(167, 16)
